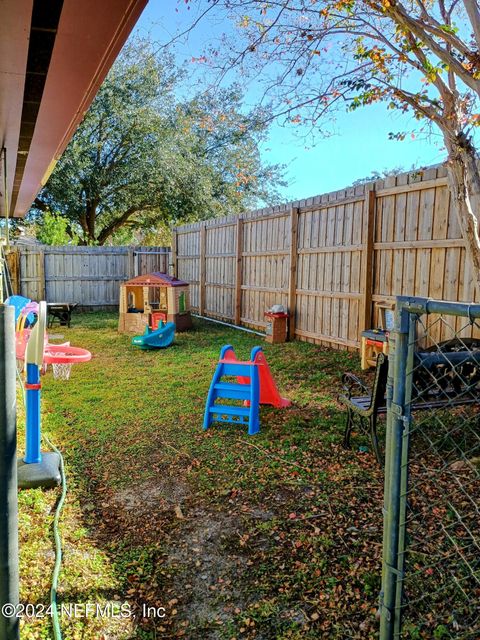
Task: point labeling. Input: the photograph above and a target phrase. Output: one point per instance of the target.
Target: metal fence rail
(431, 551)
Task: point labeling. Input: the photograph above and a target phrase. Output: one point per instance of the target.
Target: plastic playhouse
(149, 299)
(159, 338)
(254, 386)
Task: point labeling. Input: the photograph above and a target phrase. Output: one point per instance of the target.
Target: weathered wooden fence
(332, 260)
(90, 276)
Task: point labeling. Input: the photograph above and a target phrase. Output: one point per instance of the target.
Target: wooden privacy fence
(331, 259)
(90, 276)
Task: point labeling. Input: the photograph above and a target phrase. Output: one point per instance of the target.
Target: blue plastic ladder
(248, 411)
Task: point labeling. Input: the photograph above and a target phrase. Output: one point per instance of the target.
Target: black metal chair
(364, 409)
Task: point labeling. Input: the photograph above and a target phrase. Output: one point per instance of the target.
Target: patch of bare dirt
(160, 494)
(207, 563)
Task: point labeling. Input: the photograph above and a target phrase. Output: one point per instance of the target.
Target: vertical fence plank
(131, 263)
(41, 275)
(365, 320)
(202, 291)
(174, 253)
(239, 269)
(13, 262)
(292, 284)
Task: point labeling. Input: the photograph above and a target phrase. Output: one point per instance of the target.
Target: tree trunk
(464, 182)
(110, 229)
(91, 215)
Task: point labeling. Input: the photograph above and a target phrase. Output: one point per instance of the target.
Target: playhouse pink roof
(156, 279)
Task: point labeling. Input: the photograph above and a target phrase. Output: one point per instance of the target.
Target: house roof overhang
(53, 58)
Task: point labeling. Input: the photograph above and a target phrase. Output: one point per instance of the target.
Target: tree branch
(411, 99)
(40, 205)
(399, 15)
(442, 88)
(107, 231)
(473, 12)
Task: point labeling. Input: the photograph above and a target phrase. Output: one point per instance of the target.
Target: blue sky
(360, 146)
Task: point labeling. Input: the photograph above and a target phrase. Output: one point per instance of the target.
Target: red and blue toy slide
(255, 385)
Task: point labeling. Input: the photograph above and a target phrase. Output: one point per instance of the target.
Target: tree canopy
(143, 158)
(418, 56)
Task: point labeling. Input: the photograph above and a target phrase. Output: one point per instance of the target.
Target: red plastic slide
(269, 393)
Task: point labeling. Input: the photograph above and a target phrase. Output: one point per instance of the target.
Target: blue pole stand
(33, 395)
(37, 469)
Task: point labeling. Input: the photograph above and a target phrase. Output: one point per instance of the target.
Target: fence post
(203, 238)
(9, 627)
(402, 523)
(239, 269)
(130, 263)
(397, 420)
(173, 254)
(13, 263)
(41, 276)
(292, 284)
(166, 260)
(367, 259)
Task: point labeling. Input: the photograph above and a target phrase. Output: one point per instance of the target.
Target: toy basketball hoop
(62, 357)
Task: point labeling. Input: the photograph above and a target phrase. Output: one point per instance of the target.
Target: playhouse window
(163, 298)
(181, 302)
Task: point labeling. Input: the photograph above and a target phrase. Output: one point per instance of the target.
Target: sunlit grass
(261, 511)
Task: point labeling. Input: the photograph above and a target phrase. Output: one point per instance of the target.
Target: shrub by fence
(90, 276)
(331, 259)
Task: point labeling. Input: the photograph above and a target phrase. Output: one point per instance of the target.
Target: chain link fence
(431, 547)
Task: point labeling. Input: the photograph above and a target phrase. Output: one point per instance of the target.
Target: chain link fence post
(431, 547)
(398, 350)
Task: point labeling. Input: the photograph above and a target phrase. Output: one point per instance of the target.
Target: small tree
(54, 229)
(418, 56)
(142, 158)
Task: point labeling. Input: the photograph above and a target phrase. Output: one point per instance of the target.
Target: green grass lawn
(273, 536)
